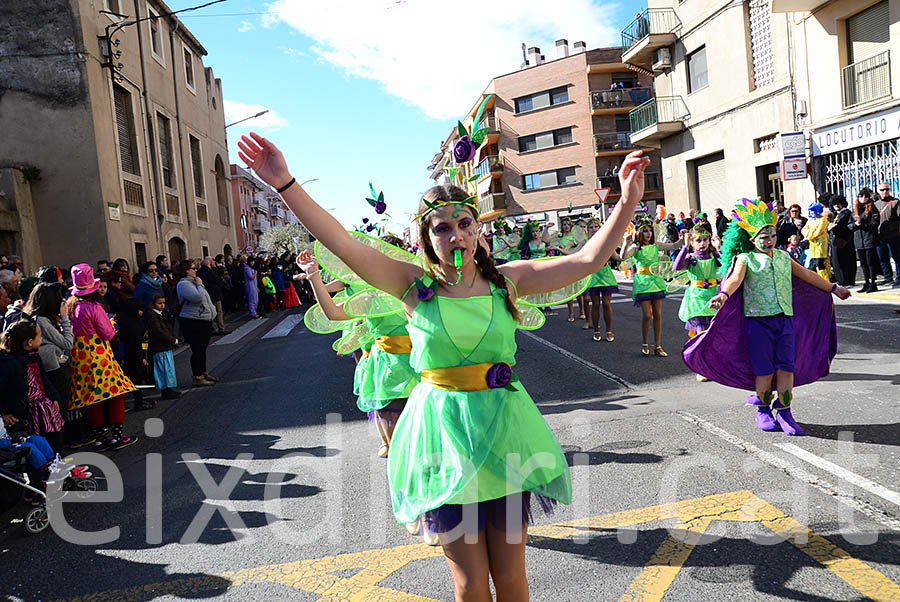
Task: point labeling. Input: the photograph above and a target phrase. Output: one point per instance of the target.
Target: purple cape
(720, 352)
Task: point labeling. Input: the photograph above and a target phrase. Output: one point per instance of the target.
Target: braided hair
(484, 261)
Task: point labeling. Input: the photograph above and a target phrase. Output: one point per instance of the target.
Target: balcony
(277, 211)
(259, 224)
(654, 28)
(866, 80)
(609, 144)
(656, 119)
(491, 164)
(490, 204)
(259, 203)
(651, 181)
(619, 100)
(796, 6)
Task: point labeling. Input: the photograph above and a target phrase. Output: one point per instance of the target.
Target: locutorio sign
(859, 132)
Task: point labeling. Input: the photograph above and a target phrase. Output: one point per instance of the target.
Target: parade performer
(648, 288)
(816, 232)
(565, 244)
(774, 318)
(702, 263)
(600, 291)
(465, 449)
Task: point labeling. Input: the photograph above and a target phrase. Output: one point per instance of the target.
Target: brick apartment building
(557, 130)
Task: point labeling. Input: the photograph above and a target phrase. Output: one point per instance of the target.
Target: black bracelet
(286, 186)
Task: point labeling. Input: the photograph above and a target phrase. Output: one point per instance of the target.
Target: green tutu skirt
(387, 376)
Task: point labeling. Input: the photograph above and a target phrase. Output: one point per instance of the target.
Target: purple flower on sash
(424, 293)
(463, 150)
(499, 375)
(380, 207)
(706, 284)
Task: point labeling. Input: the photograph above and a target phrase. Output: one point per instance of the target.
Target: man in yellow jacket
(816, 232)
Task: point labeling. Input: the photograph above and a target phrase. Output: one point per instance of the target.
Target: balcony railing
(619, 97)
(867, 80)
(612, 141)
(259, 203)
(651, 21)
(491, 201)
(487, 121)
(488, 164)
(656, 110)
(651, 182)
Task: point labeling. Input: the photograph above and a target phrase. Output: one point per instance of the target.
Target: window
(868, 32)
(545, 139)
(125, 131)
(761, 58)
(156, 43)
(140, 253)
(189, 69)
(623, 80)
(166, 155)
(545, 179)
(196, 166)
(623, 123)
(113, 6)
(697, 77)
(542, 99)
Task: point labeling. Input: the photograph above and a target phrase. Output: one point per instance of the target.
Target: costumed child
(775, 319)
(648, 289)
(816, 232)
(602, 287)
(702, 263)
(450, 459)
(564, 245)
(161, 344)
(98, 383)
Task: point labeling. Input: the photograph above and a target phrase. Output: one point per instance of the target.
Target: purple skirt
(649, 297)
(474, 517)
(596, 291)
(388, 414)
(698, 324)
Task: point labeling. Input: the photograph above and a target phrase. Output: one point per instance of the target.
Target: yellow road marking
(694, 517)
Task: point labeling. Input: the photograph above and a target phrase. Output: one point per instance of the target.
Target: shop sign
(793, 169)
(859, 132)
(792, 145)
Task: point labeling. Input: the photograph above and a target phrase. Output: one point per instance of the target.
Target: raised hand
(307, 262)
(631, 176)
(265, 159)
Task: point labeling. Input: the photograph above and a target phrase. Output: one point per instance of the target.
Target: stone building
(114, 129)
(557, 130)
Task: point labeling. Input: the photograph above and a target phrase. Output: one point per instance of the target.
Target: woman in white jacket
(46, 303)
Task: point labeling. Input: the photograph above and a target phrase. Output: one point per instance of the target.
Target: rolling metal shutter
(868, 32)
(712, 183)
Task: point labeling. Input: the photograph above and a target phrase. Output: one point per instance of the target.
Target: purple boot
(764, 419)
(783, 416)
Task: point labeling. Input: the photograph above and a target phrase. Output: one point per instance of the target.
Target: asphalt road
(677, 495)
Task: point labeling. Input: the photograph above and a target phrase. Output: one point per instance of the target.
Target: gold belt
(365, 353)
(705, 283)
(395, 344)
(645, 270)
(477, 377)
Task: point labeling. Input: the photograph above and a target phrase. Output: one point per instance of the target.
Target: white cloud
(439, 56)
(235, 111)
(246, 26)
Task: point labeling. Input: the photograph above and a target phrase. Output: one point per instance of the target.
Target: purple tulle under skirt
(698, 324)
(389, 414)
(597, 291)
(649, 297)
(513, 510)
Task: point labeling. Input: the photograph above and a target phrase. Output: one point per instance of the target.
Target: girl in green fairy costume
(471, 448)
(600, 291)
(648, 289)
(702, 263)
(565, 244)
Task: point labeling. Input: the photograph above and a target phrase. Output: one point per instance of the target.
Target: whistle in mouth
(457, 258)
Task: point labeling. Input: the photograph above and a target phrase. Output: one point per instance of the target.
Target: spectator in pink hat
(98, 383)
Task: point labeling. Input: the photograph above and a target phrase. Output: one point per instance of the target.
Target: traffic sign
(602, 193)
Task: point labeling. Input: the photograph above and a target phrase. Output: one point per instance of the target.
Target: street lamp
(308, 181)
(247, 118)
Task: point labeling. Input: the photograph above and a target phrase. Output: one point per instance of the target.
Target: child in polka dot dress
(98, 383)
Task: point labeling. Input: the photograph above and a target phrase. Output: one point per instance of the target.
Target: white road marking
(284, 327)
(843, 473)
(241, 332)
(869, 321)
(796, 472)
(855, 327)
(613, 377)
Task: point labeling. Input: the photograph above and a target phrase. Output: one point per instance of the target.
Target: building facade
(852, 116)
(557, 131)
(724, 91)
(244, 188)
(121, 136)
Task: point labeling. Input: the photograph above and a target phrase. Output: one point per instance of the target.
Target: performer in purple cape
(774, 318)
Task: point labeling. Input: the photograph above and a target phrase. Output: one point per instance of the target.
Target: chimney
(534, 56)
(579, 47)
(562, 48)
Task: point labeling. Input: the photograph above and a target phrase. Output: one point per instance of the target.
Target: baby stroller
(14, 469)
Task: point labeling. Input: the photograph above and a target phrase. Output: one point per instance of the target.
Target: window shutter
(544, 140)
(548, 178)
(197, 167)
(868, 33)
(540, 100)
(125, 132)
(712, 183)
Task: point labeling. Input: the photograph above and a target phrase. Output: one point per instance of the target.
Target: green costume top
(567, 243)
(696, 298)
(538, 251)
(645, 284)
(445, 438)
(388, 376)
(604, 277)
(767, 284)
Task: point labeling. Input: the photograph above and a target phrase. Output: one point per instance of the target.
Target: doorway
(177, 250)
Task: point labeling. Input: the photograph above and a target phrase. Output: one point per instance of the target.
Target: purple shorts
(599, 291)
(770, 343)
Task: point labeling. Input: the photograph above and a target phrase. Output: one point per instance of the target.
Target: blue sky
(366, 90)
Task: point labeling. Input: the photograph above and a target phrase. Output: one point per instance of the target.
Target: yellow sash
(700, 283)
(395, 344)
(459, 378)
(645, 270)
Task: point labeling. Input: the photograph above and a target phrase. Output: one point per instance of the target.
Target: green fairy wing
(530, 317)
(372, 303)
(333, 265)
(316, 321)
(560, 295)
(354, 339)
(678, 281)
